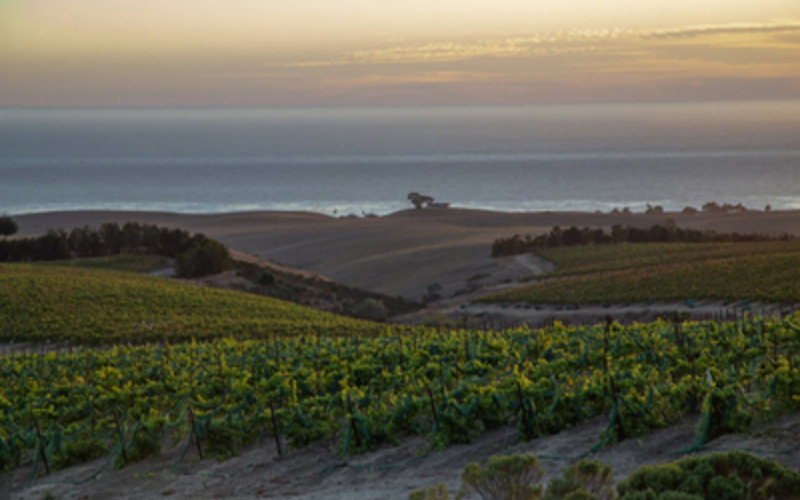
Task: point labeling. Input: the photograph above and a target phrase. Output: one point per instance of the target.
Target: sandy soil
(260, 473)
(403, 253)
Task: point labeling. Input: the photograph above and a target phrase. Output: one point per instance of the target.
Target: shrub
(666, 233)
(371, 309)
(196, 255)
(266, 278)
(586, 479)
(512, 477)
(438, 492)
(721, 476)
(8, 226)
(209, 258)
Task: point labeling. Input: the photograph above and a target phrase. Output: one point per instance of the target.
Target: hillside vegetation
(760, 271)
(358, 393)
(132, 263)
(92, 306)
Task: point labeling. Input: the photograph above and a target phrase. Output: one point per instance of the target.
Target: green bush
(721, 476)
(8, 226)
(438, 492)
(512, 477)
(255, 273)
(211, 257)
(586, 479)
(669, 495)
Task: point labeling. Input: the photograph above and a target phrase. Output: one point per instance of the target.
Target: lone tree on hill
(8, 226)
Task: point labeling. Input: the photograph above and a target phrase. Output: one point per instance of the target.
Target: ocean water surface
(354, 160)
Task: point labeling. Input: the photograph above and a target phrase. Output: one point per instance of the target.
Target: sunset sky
(76, 53)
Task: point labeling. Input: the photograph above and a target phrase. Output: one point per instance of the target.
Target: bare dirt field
(403, 253)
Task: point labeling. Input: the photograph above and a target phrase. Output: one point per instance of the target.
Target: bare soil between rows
(389, 473)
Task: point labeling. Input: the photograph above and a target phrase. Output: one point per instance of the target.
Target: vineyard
(132, 263)
(44, 303)
(357, 393)
(764, 272)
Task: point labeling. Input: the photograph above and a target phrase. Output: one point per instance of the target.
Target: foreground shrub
(721, 476)
(586, 479)
(438, 492)
(512, 477)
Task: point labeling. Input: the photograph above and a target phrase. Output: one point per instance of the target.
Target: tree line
(574, 236)
(195, 254)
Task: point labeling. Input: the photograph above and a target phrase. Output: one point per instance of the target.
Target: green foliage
(720, 476)
(196, 255)
(357, 392)
(11, 448)
(438, 492)
(266, 278)
(79, 451)
(372, 309)
(132, 263)
(220, 441)
(580, 494)
(668, 495)
(146, 443)
(765, 271)
(8, 226)
(512, 477)
(86, 306)
(722, 414)
(669, 233)
(209, 257)
(586, 479)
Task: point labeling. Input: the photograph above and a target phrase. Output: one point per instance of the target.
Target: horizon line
(420, 105)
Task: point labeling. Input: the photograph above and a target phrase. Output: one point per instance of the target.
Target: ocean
(339, 161)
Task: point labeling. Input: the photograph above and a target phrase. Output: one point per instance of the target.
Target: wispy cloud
(534, 45)
(571, 41)
(725, 29)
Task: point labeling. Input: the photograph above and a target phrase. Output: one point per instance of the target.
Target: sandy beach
(405, 252)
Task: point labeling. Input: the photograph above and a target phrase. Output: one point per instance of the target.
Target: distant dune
(402, 253)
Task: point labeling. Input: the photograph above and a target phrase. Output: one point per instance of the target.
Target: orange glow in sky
(391, 52)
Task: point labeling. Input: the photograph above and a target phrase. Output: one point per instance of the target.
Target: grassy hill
(762, 271)
(39, 302)
(133, 263)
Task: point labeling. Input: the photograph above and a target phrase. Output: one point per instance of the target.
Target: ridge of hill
(93, 306)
